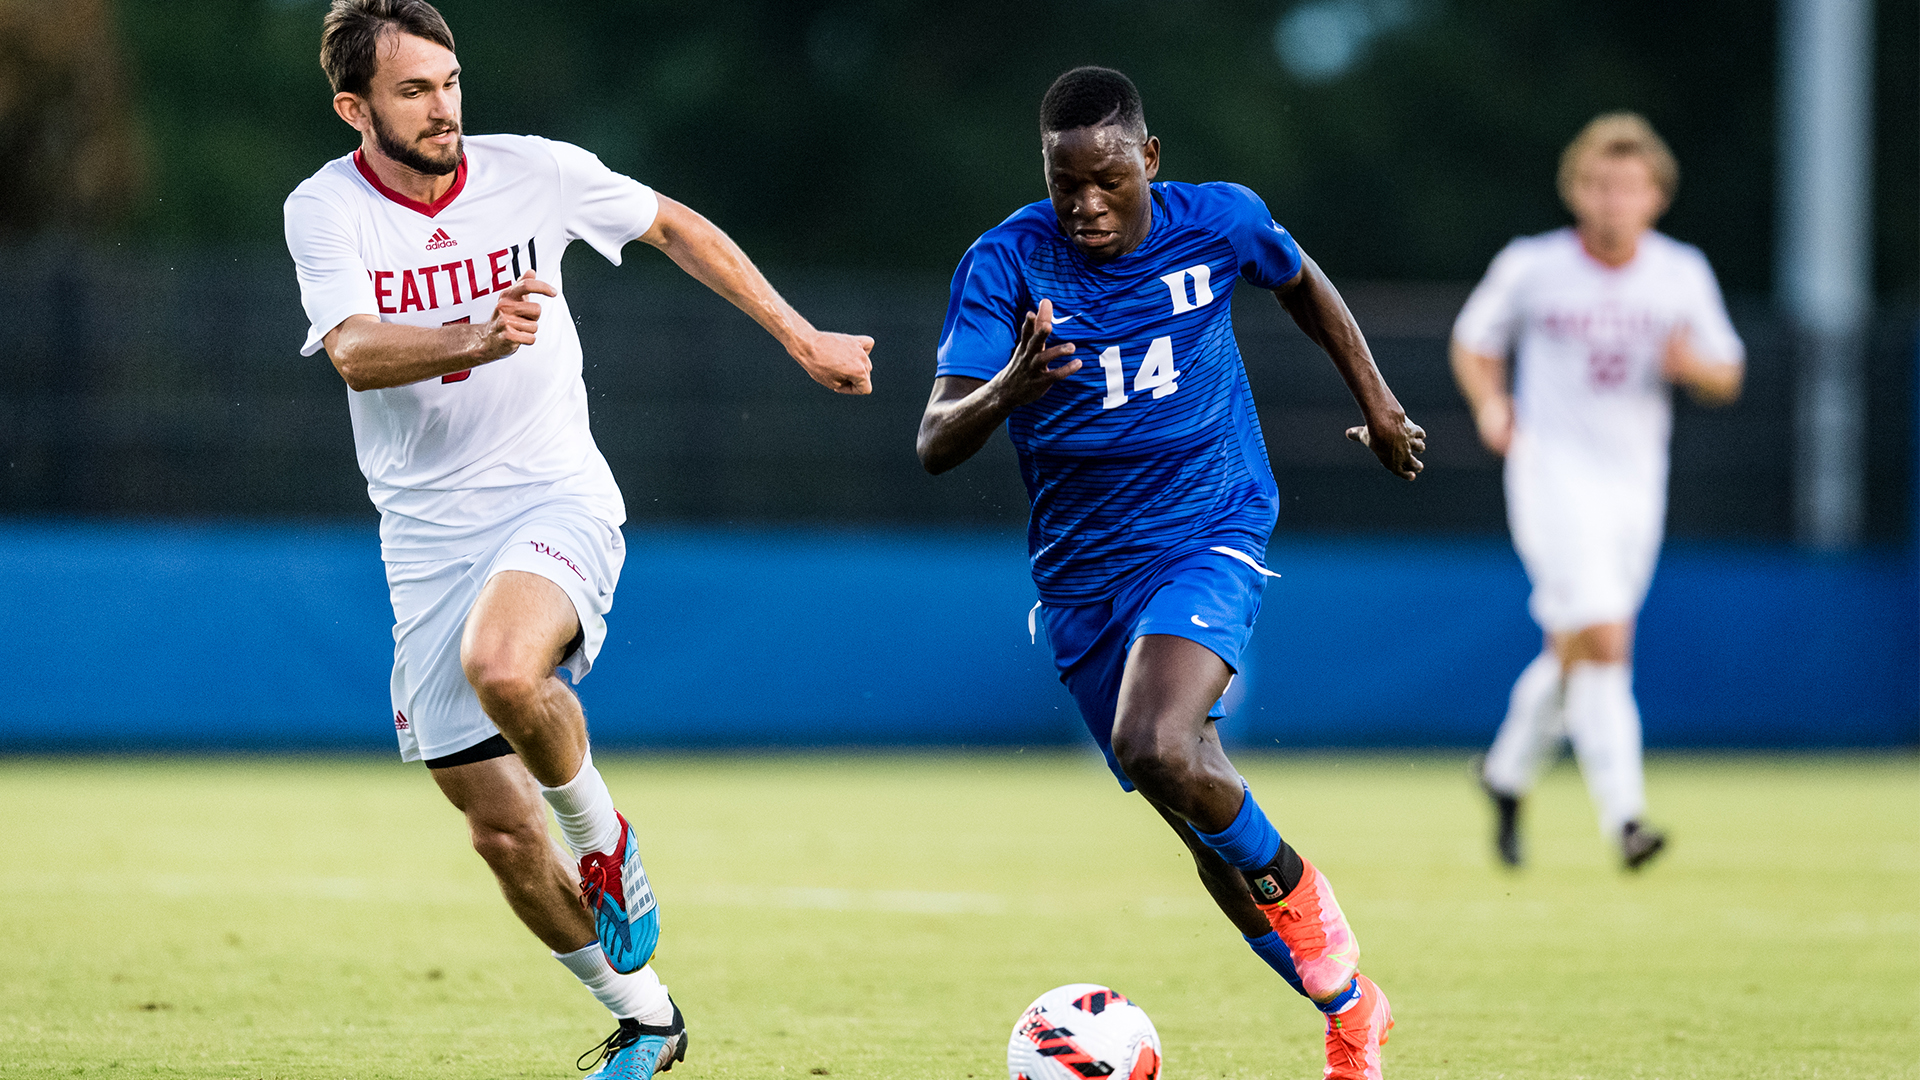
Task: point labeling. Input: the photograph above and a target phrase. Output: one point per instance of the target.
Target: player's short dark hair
(1092, 97)
(350, 37)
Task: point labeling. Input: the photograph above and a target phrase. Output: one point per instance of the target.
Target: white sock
(1531, 731)
(584, 809)
(637, 994)
(1604, 723)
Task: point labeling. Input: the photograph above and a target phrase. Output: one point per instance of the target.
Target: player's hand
(516, 317)
(1494, 420)
(1394, 442)
(842, 363)
(1030, 373)
(1708, 382)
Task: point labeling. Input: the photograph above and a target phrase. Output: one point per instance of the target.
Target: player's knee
(1155, 764)
(1610, 648)
(503, 684)
(1604, 643)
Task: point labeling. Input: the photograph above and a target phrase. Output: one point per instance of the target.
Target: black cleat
(1506, 835)
(1639, 844)
(636, 1051)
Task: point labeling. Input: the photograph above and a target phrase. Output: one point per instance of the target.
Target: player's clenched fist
(516, 317)
(1030, 373)
(842, 363)
(1395, 443)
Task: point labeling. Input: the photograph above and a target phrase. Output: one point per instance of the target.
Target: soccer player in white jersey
(430, 270)
(1601, 319)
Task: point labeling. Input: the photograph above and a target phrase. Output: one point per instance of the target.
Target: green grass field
(889, 917)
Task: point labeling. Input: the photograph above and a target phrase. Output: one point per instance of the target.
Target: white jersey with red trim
(1589, 340)
(449, 457)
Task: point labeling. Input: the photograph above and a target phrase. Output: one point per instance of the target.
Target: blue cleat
(637, 1051)
(614, 887)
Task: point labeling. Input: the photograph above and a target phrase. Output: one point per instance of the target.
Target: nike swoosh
(1197, 621)
(1058, 319)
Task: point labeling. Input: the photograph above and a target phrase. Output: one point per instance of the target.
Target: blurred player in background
(1602, 319)
(420, 260)
(1098, 327)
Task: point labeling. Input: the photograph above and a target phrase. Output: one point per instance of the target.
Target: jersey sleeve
(983, 312)
(334, 283)
(1714, 337)
(1269, 256)
(1490, 320)
(602, 207)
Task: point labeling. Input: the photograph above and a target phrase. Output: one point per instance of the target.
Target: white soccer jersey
(449, 457)
(1589, 339)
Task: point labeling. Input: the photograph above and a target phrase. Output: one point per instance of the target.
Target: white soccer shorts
(435, 711)
(1588, 533)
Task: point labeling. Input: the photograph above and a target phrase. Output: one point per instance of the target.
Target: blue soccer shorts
(1211, 597)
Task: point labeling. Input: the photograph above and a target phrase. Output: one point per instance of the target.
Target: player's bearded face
(414, 150)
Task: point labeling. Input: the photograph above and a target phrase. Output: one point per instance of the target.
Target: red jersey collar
(415, 205)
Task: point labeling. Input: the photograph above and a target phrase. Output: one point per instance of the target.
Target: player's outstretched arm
(1482, 380)
(840, 362)
(374, 355)
(1317, 309)
(963, 413)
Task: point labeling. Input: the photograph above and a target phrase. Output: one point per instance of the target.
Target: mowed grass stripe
(888, 916)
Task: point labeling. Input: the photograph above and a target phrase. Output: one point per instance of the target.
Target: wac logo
(1268, 887)
(554, 552)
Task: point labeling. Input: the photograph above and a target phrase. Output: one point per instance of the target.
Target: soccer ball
(1080, 1032)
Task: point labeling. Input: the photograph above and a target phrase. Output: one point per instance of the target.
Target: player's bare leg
(1170, 750)
(518, 632)
(508, 822)
(507, 818)
(1161, 734)
(1603, 722)
(1222, 880)
(516, 636)
(1602, 643)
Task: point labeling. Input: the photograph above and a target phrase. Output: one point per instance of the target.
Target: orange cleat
(1325, 953)
(1354, 1037)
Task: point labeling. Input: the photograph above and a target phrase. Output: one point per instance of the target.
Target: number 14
(1156, 373)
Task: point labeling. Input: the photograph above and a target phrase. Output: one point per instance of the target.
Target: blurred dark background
(855, 149)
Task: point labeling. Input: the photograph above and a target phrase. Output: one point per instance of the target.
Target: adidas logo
(439, 240)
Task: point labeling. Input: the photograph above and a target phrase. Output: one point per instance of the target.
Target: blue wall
(166, 636)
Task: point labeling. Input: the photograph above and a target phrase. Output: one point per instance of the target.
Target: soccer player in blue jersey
(1096, 325)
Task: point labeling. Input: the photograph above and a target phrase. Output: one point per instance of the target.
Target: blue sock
(1250, 842)
(1275, 952)
(1345, 999)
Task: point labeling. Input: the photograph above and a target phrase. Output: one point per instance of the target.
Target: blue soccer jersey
(1153, 448)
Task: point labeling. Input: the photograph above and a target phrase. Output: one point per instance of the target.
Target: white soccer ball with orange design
(1081, 1032)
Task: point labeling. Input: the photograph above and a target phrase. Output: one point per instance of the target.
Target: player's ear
(353, 109)
(1150, 152)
